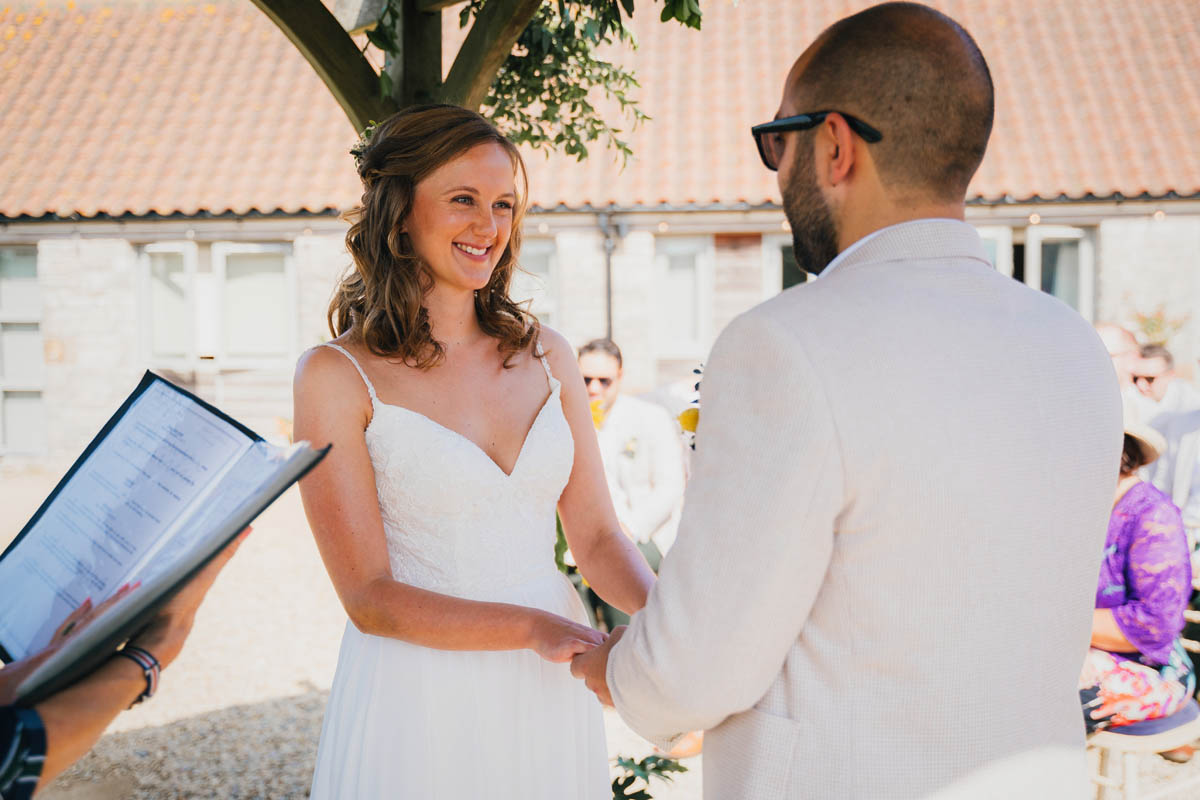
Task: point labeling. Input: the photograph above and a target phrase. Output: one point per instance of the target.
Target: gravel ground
(238, 715)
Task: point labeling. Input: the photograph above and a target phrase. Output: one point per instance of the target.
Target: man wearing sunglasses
(883, 579)
(642, 450)
(1171, 405)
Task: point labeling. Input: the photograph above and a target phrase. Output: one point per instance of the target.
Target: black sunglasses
(604, 382)
(1149, 379)
(770, 142)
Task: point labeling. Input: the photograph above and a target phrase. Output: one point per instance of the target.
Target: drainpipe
(612, 231)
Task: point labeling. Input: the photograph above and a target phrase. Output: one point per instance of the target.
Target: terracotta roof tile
(138, 107)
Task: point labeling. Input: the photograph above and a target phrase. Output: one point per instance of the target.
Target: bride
(458, 427)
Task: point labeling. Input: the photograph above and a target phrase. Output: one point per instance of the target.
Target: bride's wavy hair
(380, 298)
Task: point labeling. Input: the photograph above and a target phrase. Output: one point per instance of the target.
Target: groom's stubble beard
(814, 232)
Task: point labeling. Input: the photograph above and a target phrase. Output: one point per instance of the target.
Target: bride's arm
(612, 564)
(332, 406)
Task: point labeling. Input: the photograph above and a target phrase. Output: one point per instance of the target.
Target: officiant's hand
(558, 639)
(164, 636)
(592, 666)
(13, 674)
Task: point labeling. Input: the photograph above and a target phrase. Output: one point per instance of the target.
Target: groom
(884, 575)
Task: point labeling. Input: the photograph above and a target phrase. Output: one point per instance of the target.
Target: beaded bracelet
(150, 668)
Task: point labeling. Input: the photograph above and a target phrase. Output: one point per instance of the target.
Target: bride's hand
(558, 639)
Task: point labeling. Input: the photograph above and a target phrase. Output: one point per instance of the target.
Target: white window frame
(704, 249)
(190, 254)
(1002, 235)
(220, 252)
(38, 387)
(772, 263)
(1036, 235)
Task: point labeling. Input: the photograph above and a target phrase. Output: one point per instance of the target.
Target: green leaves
(620, 787)
(383, 38)
(651, 766)
(686, 11)
(553, 92)
(657, 766)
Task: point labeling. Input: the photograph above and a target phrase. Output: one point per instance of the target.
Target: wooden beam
(489, 42)
(316, 33)
(417, 72)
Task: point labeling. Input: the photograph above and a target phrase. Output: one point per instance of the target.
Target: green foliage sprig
(545, 92)
(1157, 327)
(624, 787)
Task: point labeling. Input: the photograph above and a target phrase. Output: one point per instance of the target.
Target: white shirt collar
(832, 265)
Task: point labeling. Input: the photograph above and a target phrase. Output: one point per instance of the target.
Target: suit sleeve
(666, 468)
(753, 545)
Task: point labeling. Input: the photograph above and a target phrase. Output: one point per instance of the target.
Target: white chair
(1128, 742)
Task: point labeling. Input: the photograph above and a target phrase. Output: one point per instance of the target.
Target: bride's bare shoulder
(559, 354)
(321, 369)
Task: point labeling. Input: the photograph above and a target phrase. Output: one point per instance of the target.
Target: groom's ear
(839, 147)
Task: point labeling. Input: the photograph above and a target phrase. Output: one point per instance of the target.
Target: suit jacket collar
(914, 240)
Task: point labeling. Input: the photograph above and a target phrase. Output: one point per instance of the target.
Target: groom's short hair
(918, 77)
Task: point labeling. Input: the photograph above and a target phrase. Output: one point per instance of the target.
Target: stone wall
(90, 335)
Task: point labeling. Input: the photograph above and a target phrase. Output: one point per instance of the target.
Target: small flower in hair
(360, 147)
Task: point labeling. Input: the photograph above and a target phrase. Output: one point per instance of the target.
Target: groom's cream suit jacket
(884, 574)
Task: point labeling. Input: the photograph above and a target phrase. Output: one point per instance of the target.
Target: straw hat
(1151, 442)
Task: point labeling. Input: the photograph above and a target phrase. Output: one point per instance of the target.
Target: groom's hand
(592, 666)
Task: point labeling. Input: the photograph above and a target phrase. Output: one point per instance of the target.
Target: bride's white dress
(405, 721)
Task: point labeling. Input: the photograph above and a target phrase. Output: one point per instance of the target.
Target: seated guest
(38, 743)
(1136, 668)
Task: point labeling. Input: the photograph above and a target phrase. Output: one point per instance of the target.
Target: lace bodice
(455, 522)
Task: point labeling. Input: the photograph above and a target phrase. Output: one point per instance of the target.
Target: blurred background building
(172, 174)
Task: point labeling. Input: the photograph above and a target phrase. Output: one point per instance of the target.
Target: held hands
(558, 639)
(592, 666)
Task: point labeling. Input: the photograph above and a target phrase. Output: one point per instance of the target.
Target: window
(1060, 261)
(1055, 259)
(780, 270)
(683, 309)
(791, 273)
(229, 303)
(536, 281)
(257, 301)
(998, 241)
(22, 410)
(169, 274)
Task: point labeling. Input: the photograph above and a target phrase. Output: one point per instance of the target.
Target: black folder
(168, 482)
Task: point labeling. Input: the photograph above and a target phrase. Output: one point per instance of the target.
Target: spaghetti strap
(357, 366)
(541, 356)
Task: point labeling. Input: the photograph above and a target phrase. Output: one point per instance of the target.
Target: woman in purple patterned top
(1136, 668)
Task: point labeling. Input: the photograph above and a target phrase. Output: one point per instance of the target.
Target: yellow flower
(597, 413)
(689, 419)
